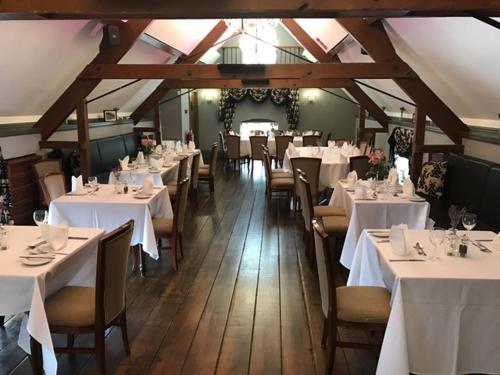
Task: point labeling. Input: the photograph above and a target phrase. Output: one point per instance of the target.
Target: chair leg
(211, 184)
(332, 347)
(123, 328)
(324, 336)
(70, 341)
(100, 351)
(36, 359)
(174, 252)
(181, 247)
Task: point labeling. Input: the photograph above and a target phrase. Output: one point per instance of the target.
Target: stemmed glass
(469, 220)
(40, 217)
(93, 184)
(436, 236)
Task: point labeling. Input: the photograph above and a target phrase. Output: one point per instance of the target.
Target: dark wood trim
(441, 149)
(417, 156)
(144, 129)
(59, 144)
(83, 139)
(157, 123)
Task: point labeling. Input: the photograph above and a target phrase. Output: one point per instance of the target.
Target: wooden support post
(82, 119)
(157, 124)
(362, 125)
(417, 156)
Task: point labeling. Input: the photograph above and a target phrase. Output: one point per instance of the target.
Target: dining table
(25, 283)
(108, 209)
(383, 211)
(334, 163)
(445, 314)
(246, 147)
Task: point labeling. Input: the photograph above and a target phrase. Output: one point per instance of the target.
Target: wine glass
(469, 220)
(436, 236)
(40, 217)
(93, 184)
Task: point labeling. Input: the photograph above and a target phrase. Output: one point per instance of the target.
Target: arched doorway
(249, 126)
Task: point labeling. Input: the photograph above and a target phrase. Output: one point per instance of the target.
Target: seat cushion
(282, 182)
(335, 224)
(162, 225)
(204, 166)
(204, 172)
(282, 175)
(431, 180)
(328, 211)
(172, 190)
(72, 306)
(363, 304)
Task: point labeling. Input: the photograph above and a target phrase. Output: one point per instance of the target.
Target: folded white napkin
(393, 177)
(147, 186)
(292, 150)
(124, 163)
(360, 191)
(496, 243)
(331, 144)
(191, 146)
(345, 146)
(408, 188)
(158, 149)
(156, 163)
(55, 235)
(184, 148)
(352, 177)
(77, 185)
(397, 237)
(140, 157)
(178, 146)
(429, 223)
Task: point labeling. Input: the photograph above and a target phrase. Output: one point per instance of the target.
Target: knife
(406, 260)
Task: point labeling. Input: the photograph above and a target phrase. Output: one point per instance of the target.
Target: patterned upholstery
(431, 180)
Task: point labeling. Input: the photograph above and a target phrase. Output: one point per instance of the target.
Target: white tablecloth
(445, 315)
(246, 148)
(139, 175)
(333, 166)
(379, 213)
(108, 210)
(24, 288)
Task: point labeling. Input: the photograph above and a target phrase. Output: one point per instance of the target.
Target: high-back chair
(278, 183)
(234, 151)
(76, 310)
(182, 173)
(172, 229)
(311, 167)
(44, 167)
(256, 142)
(311, 140)
(53, 186)
(354, 307)
(195, 171)
(207, 172)
(359, 164)
(282, 142)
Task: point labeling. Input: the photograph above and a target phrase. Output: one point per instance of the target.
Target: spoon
(420, 249)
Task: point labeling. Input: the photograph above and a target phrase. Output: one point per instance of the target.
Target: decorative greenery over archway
(282, 97)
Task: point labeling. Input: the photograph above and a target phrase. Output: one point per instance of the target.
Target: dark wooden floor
(244, 299)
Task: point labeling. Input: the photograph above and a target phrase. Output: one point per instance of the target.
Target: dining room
(249, 188)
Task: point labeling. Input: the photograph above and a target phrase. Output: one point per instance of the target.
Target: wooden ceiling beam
(374, 39)
(160, 9)
(80, 89)
(201, 48)
(354, 90)
(242, 71)
(271, 83)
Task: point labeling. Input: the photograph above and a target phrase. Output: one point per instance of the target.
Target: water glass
(436, 237)
(40, 217)
(469, 220)
(93, 184)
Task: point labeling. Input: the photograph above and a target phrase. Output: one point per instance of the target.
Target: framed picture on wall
(110, 114)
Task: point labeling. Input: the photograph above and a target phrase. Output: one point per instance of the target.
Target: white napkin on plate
(292, 150)
(191, 146)
(408, 188)
(55, 235)
(156, 163)
(352, 177)
(397, 237)
(360, 191)
(392, 177)
(140, 157)
(147, 186)
(124, 163)
(77, 185)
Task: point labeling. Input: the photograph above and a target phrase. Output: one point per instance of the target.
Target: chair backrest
(328, 138)
(256, 142)
(311, 140)
(340, 142)
(306, 201)
(311, 167)
(325, 270)
(213, 159)
(267, 169)
(53, 186)
(359, 164)
(111, 276)
(368, 150)
(362, 147)
(233, 146)
(45, 167)
(181, 205)
(195, 165)
(282, 142)
(182, 170)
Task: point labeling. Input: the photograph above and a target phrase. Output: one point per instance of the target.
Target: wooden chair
(76, 310)
(340, 142)
(256, 143)
(207, 172)
(311, 167)
(233, 150)
(172, 229)
(276, 183)
(353, 307)
(182, 171)
(195, 171)
(359, 164)
(328, 139)
(333, 214)
(282, 142)
(44, 167)
(53, 186)
(311, 140)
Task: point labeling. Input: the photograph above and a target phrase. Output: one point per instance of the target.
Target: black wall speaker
(111, 35)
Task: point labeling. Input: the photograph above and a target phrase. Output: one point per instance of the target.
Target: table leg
(36, 359)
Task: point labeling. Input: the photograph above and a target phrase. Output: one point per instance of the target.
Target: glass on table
(469, 221)
(93, 184)
(40, 217)
(4, 245)
(436, 237)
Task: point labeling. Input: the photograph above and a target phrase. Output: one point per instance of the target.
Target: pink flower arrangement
(376, 157)
(378, 168)
(147, 146)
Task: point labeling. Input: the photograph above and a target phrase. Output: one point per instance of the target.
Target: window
(248, 128)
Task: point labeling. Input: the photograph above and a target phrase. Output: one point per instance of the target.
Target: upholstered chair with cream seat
(172, 229)
(276, 183)
(42, 168)
(311, 140)
(359, 164)
(256, 143)
(182, 171)
(207, 171)
(195, 172)
(282, 142)
(276, 172)
(76, 310)
(311, 167)
(53, 186)
(234, 150)
(351, 307)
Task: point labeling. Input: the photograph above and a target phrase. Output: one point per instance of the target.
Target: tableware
(154, 170)
(35, 261)
(407, 260)
(142, 196)
(481, 247)
(93, 184)
(36, 244)
(380, 235)
(77, 193)
(469, 220)
(379, 241)
(436, 236)
(420, 249)
(416, 199)
(77, 238)
(40, 216)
